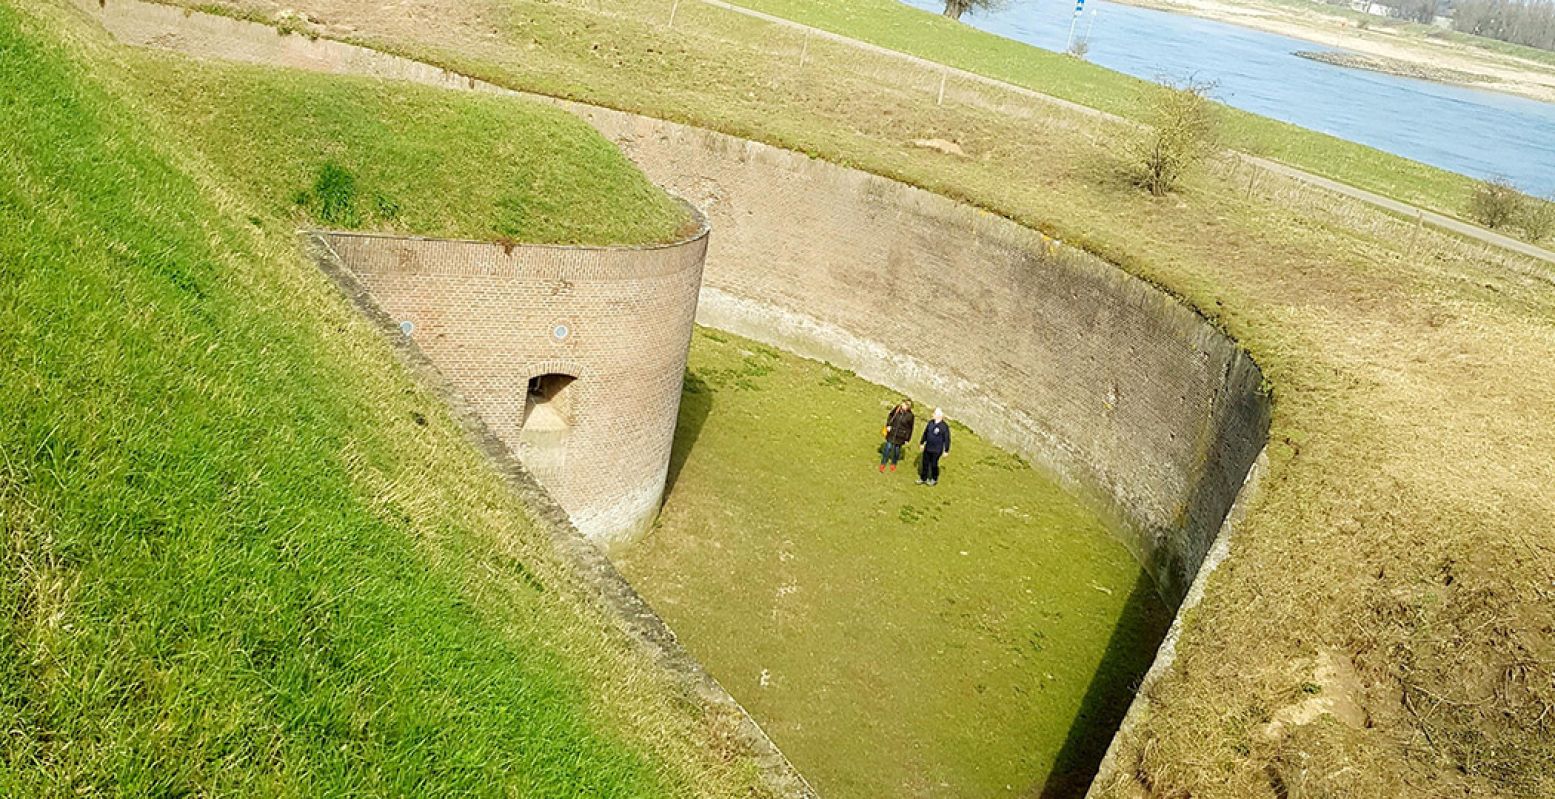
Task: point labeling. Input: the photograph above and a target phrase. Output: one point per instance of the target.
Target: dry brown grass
(1406, 520)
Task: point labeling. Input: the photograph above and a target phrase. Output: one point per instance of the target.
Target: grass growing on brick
(973, 639)
(243, 555)
(363, 154)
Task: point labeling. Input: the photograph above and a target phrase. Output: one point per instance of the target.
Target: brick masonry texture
(1131, 399)
(596, 576)
(488, 316)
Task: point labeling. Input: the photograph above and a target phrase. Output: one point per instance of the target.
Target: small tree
(1181, 133)
(955, 8)
(1496, 203)
(1537, 218)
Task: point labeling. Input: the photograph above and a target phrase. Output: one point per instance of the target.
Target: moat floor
(977, 638)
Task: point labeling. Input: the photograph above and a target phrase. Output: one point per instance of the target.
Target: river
(1479, 133)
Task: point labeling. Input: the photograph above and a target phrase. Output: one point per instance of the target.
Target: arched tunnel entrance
(547, 421)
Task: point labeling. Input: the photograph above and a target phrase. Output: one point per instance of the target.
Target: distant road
(1450, 224)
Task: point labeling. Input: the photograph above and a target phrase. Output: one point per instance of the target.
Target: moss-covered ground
(242, 553)
(977, 638)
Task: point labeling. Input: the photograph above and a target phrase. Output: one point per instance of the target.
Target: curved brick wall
(488, 317)
(1130, 398)
(1133, 400)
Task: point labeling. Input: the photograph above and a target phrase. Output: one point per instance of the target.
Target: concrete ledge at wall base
(597, 577)
(1111, 773)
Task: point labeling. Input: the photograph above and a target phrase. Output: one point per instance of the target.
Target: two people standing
(935, 442)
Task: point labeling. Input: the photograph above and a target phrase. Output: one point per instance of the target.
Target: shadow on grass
(696, 402)
(1132, 647)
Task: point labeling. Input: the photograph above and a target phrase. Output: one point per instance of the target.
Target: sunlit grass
(364, 154)
(243, 555)
(973, 639)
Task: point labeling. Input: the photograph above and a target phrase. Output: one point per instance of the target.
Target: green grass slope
(974, 639)
(933, 36)
(243, 555)
(363, 154)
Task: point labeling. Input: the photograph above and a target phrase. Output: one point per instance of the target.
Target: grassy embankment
(243, 554)
(973, 639)
(1403, 530)
(932, 36)
(340, 151)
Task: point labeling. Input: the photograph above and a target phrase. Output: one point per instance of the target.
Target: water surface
(1475, 132)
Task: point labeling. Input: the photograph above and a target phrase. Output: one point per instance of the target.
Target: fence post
(804, 51)
(674, 8)
(942, 77)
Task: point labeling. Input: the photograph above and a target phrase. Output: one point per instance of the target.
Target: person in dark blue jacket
(935, 445)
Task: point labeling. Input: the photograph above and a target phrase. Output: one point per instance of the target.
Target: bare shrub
(1182, 132)
(1537, 219)
(1496, 203)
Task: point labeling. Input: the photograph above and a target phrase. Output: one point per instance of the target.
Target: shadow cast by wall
(1131, 648)
(696, 402)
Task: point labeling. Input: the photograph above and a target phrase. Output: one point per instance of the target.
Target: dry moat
(974, 639)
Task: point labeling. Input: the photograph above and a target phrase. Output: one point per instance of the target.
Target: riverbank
(1410, 50)
(1394, 66)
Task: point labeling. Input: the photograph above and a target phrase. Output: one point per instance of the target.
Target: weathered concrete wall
(491, 317)
(1130, 398)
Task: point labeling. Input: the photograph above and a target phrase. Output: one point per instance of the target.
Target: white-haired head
(939, 415)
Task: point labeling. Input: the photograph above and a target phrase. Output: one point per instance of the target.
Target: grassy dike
(346, 152)
(243, 554)
(909, 30)
(974, 639)
(1403, 528)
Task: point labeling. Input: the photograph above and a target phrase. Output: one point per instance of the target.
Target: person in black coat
(935, 445)
(898, 431)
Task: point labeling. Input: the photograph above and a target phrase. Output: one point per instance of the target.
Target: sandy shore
(1446, 61)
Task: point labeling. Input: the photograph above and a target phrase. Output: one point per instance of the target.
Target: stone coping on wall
(694, 214)
(598, 575)
(541, 261)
